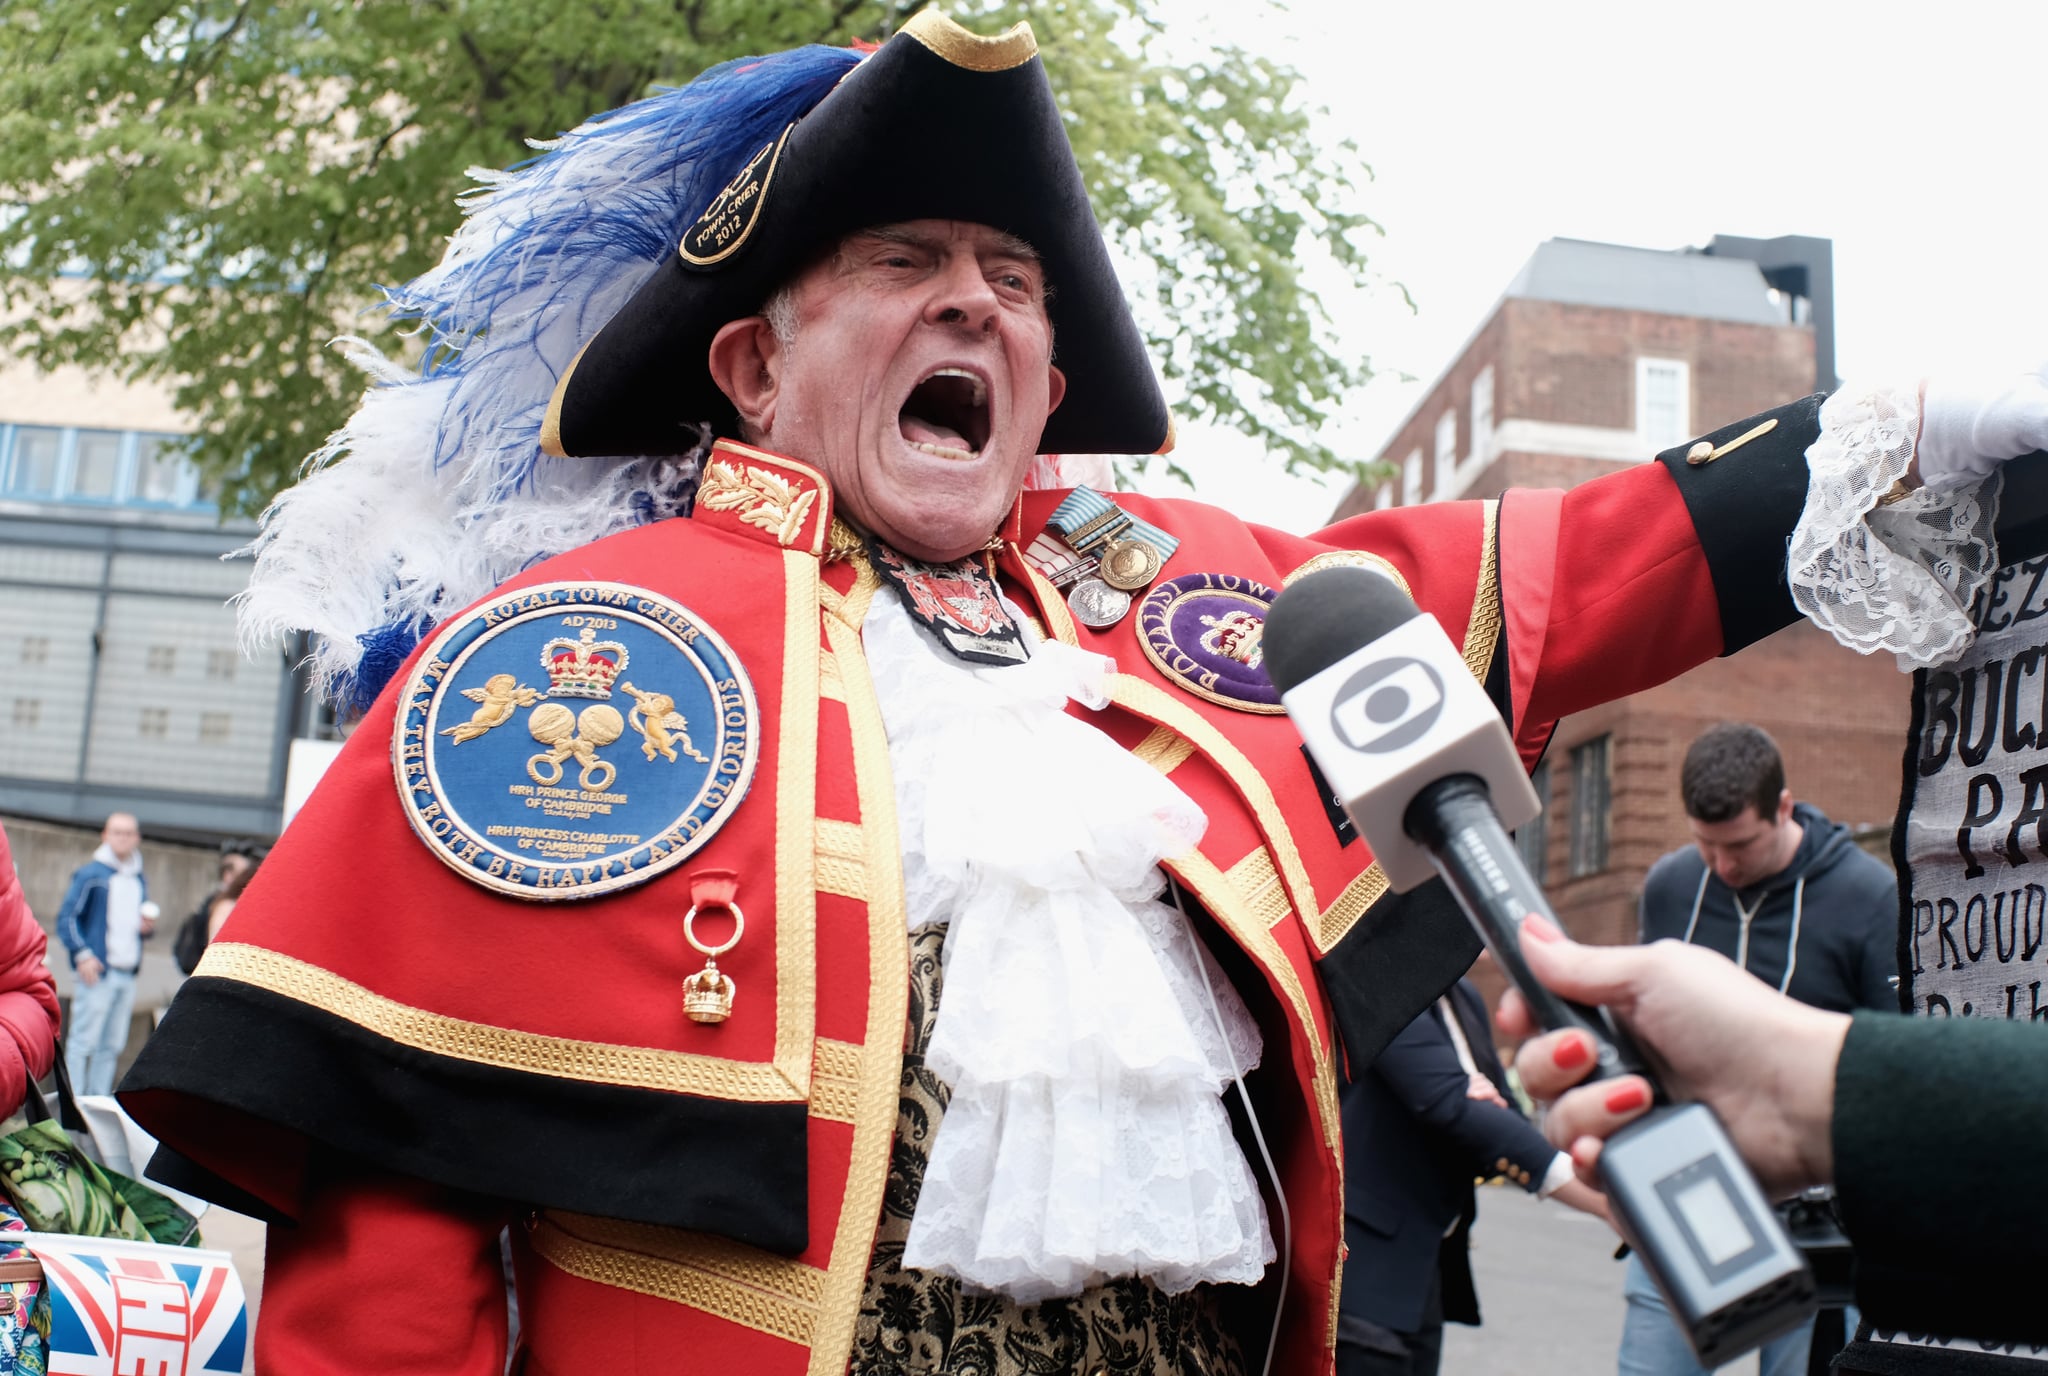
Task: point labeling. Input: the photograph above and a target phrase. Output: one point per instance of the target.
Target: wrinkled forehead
(931, 233)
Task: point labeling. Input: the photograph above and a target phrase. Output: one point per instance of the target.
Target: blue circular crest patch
(571, 739)
(1204, 631)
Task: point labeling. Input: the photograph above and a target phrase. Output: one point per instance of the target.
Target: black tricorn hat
(937, 123)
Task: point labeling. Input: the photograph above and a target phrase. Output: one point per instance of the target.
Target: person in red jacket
(28, 993)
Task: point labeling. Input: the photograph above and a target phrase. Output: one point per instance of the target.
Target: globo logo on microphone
(1388, 704)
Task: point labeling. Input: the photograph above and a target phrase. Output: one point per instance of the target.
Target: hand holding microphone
(1763, 1062)
(1412, 746)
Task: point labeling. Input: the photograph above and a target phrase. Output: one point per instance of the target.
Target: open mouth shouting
(947, 414)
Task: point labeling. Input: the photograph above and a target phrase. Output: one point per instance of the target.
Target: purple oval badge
(1204, 630)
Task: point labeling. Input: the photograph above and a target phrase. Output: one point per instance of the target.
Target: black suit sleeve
(1937, 1133)
(1421, 1068)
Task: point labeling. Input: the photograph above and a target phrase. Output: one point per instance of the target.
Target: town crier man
(867, 911)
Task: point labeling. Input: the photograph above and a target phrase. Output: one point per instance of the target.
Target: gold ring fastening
(739, 925)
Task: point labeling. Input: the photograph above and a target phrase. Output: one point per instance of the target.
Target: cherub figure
(500, 697)
(663, 728)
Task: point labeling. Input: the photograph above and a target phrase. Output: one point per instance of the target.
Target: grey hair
(780, 313)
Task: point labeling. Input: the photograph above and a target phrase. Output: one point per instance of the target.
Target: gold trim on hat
(1013, 47)
(551, 423)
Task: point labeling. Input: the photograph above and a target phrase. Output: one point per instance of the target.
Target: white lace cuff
(1899, 577)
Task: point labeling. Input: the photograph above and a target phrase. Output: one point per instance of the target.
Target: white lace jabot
(1085, 1137)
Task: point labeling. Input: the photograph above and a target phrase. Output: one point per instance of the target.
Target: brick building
(1598, 355)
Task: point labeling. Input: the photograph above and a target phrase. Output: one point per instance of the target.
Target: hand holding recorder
(1413, 748)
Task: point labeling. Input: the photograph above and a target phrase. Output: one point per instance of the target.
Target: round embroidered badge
(570, 739)
(1203, 631)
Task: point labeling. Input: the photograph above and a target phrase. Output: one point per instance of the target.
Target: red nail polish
(1571, 1053)
(1628, 1098)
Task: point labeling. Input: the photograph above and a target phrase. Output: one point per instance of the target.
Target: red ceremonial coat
(404, 1061)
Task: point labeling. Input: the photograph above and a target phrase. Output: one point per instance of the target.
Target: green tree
(204, 192)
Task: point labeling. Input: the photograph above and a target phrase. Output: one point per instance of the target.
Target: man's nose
(963, 296)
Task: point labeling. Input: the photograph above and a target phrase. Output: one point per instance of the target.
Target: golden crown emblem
(707, 995)
(582, 668)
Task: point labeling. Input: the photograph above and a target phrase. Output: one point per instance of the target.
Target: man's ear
(746, 363)
(1784, 806)
(1055, 389)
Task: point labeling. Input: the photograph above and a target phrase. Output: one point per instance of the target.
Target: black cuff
(1743, 507)
(1398, 960)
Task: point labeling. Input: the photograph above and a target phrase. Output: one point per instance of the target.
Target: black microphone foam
(1324, 617)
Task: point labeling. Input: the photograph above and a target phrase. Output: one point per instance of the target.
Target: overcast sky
(1912, 136)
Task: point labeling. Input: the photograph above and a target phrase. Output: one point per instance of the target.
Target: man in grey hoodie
(1784, 893)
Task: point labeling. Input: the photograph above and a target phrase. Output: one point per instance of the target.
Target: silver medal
(1096, 604)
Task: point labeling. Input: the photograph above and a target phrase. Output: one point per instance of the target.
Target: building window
(213, 727)
(163, 476)
(1663, 402)
(35, 649)
(89, 465)
(162, 659)
(32, 470)
(1482, 415)
(1532, 838)
(1385, 498)
(28, 712)
(1411, 479)
(1591, 794)
(156, 723)
(96, 465)
(1446, 455)
(221, 663)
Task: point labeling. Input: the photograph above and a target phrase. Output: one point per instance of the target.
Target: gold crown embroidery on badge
(582, 668)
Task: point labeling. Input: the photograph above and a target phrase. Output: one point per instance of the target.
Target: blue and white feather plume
(436, 490)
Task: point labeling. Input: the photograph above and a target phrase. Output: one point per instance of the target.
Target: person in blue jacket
(104, 919)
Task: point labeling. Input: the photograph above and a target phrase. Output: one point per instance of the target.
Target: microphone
(1418, 756)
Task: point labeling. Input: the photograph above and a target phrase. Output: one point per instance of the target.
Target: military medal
(1115, 556)
(1095, 603)
(1130, 564)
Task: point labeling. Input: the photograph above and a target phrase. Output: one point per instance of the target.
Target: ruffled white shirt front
(1085, 1137)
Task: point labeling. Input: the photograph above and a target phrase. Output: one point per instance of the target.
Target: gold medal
(1129, 564)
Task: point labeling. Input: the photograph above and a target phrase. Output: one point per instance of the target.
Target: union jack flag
(138, 1309)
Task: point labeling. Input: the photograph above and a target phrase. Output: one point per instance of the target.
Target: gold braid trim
(796, 843)
(874, 1115)
(1165, 749)
(1259, 883)
(634, 1067)
(740, 1284)
(842, 859)
(835, 1080)
(1215, 892)
(1482, 631)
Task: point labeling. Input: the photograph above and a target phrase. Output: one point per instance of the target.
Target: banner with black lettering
(1971, 848)
(1971, 843)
